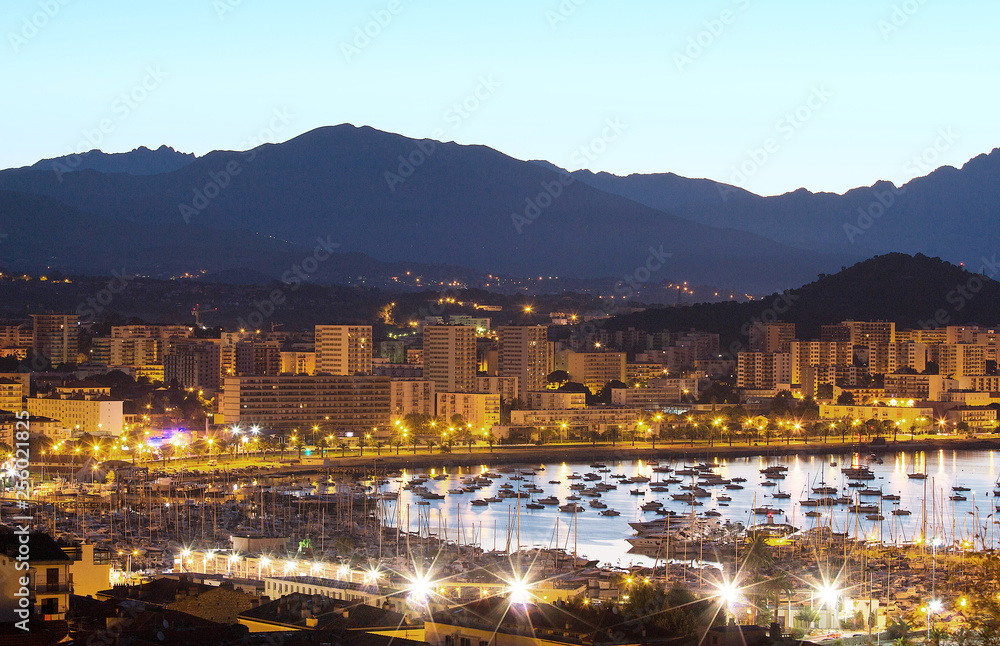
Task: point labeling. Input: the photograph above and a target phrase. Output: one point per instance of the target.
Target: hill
(42, 234)
(399, 199)
(913, 291)
(880, 218)
(141, 161)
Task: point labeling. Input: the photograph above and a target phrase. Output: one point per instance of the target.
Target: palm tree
(343, 446)
(777, 585)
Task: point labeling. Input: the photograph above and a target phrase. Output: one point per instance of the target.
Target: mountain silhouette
(399, 199)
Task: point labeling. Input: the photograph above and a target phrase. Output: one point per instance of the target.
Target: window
(50, 606)
(52, 579)
(466, 642)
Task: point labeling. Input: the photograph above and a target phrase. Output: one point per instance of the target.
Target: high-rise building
(771, 337)
(194, 364)
(806, 354)
(869, 332)
(126, 351)
(55, 337)
(886, 358)
(260, 358)
(481, 410)
(450, 357)
(329, 402)
(961, 359)
(592, 369)
(344, 349)
(411, 396)
(298, 363)
(524, 353)
(763, 370)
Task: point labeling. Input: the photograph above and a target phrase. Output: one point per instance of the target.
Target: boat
(916, 475)
(768, 483)
(597, 504)
(960, 489)
(550, 500)
(492, 499)
(572, 508)
(610, 512)
(890, 496)
(555, 481)
(875, 517)
(734, 486)
(637, 492)
(724, 499)
(478, 503)
(869, 491)
(573, 497)
(812, 513)
(598, 465)
(423, 502)
(767, 511)
(833, 463)
(456, 491)
(649, 542)
(652, 505)
(957, 497)
(658, 488)
(900, 512)
(711, 513)
(781, 494)
(864, 509)
(824, 490)
(534, 505)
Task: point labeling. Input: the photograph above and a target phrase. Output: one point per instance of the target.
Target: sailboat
(915, 475)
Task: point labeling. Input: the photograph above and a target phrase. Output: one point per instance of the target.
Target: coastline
(512, 455)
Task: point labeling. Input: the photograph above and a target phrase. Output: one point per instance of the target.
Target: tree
(558, 377)
(846, 398)
(807, 616)
(898, 628)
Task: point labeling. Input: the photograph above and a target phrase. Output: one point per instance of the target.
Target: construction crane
(196, 313)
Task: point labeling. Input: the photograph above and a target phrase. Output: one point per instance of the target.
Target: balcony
(48, 588)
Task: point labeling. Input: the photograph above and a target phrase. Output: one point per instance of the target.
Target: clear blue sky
(887, 89)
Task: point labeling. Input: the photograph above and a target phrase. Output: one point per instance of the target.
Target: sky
(769, 95)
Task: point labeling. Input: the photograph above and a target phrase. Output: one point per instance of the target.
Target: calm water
(603, 538)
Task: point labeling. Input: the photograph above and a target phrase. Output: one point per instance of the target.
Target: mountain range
(394, 204)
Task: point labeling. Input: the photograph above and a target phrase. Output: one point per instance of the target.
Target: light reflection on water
(933, 514)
